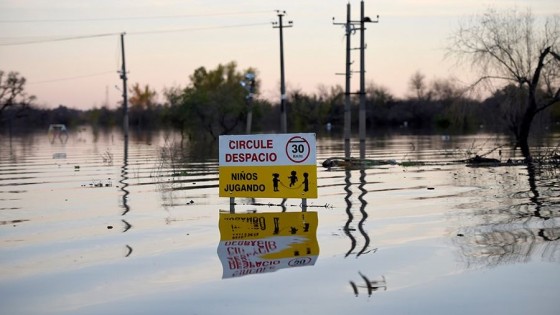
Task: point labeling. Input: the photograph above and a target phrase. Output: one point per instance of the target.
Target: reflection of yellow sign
(252, 243)
(268, 166)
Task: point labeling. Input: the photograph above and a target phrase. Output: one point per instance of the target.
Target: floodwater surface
(89, 225)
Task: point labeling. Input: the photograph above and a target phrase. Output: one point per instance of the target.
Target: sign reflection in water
(253, 243)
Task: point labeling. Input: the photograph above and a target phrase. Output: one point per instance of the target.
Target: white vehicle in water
(58, 131)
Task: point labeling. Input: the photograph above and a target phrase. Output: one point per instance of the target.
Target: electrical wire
(72, 78)
(136, 17)
(36, 40)
(27, 41)
(202, 28)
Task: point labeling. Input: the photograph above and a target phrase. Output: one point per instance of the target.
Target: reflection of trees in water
(527, 228)
(491, 246)
(183, 167)
(348, 229)
(547, 178)
(169, 164)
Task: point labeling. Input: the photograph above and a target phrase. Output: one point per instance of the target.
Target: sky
(70, 50)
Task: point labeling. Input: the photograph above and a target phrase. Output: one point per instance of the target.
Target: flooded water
(91, 226)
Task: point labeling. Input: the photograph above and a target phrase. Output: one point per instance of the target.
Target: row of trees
(519, 63)
(215, 103)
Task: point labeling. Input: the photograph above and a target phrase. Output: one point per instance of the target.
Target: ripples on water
(88, 225)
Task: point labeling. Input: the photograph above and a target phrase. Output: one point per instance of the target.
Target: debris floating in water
(354, 162)
(99, 183)
(59, 155)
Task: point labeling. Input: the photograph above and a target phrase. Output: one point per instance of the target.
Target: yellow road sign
(269, 181)
(268, 166)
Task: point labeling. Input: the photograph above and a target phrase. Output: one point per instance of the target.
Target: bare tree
(417, 85)
(12, 91)
(444, 90)
(510, 48)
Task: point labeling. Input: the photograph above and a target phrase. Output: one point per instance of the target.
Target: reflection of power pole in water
(370, 285)
(347, 229)
(128, 251)
(124, 185)
(363, 211)
(127, 226)
(124, 178)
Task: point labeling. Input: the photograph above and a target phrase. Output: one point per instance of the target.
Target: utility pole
(347, 101)
(362, 109)
(125, 95)
(279, 25)
(249, 85)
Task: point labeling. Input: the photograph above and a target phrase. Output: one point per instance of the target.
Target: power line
(37, 40)
(134, 17)
(72, 78)
(16, 42)
(202, 28)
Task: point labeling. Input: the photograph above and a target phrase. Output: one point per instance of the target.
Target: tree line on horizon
(215, 103)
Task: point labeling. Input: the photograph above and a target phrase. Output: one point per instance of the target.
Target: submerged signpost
(268, 166)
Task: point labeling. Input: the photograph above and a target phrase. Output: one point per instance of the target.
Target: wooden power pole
(279, 25)
(125, 90)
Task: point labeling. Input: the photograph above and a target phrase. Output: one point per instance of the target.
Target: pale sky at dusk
(168, 39)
